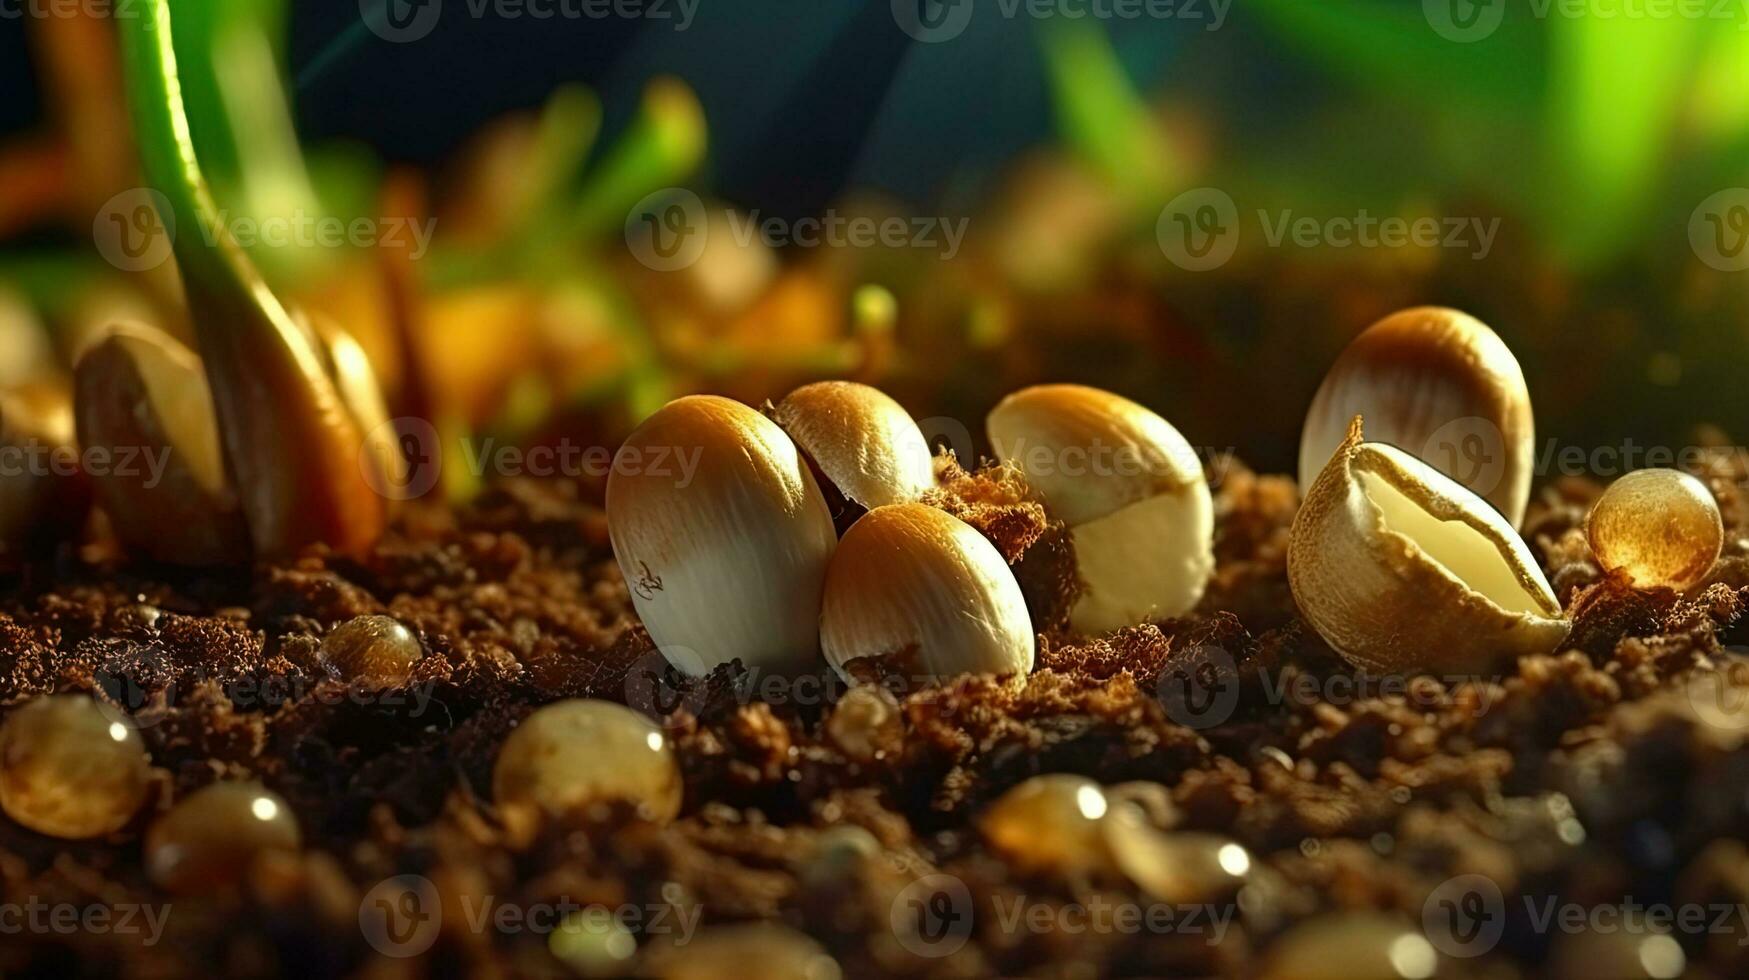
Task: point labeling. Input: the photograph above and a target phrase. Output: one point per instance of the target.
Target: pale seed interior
(1462, 550)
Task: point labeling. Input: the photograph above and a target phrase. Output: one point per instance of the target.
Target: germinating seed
(207, 841)
(70, 769)
(371, 648)
(1659, 527)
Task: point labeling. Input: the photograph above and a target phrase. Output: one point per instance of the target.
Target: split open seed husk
(1401, 569)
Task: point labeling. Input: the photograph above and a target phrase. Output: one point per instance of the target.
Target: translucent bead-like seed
(865, 722)
(1179, 868)
(209, 839)
(1630, 955)
(593, 943)
(838, 856)
(376, 649)
(771, 952)
(1050, 823)
(1341, 945)
(70, 769)
(572, 756)
(1660, 528)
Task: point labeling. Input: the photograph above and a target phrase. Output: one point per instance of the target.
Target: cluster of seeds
(824, 815)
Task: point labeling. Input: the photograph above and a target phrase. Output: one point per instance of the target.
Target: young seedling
(291, 442)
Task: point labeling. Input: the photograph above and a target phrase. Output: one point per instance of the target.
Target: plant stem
(289, 442)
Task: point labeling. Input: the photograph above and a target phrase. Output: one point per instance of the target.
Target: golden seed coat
(1440, 385)
(722, 535)
(911, 580)
(1401, 569)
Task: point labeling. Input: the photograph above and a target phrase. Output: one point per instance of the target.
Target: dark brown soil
(1589, 775)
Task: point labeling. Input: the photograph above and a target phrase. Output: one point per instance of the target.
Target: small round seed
(572, 756)
(864, 723)
(209, 839)
(1629, 955)
(593, 943)
(371, 648)
(1179, 868)
(70, 769)
(1660, 528)
(772, 952)
(1341, 945)
(1050, 823)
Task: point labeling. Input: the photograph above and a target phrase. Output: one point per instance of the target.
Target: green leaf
(1393, 48)
(1614, 93)
(1102, 116)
